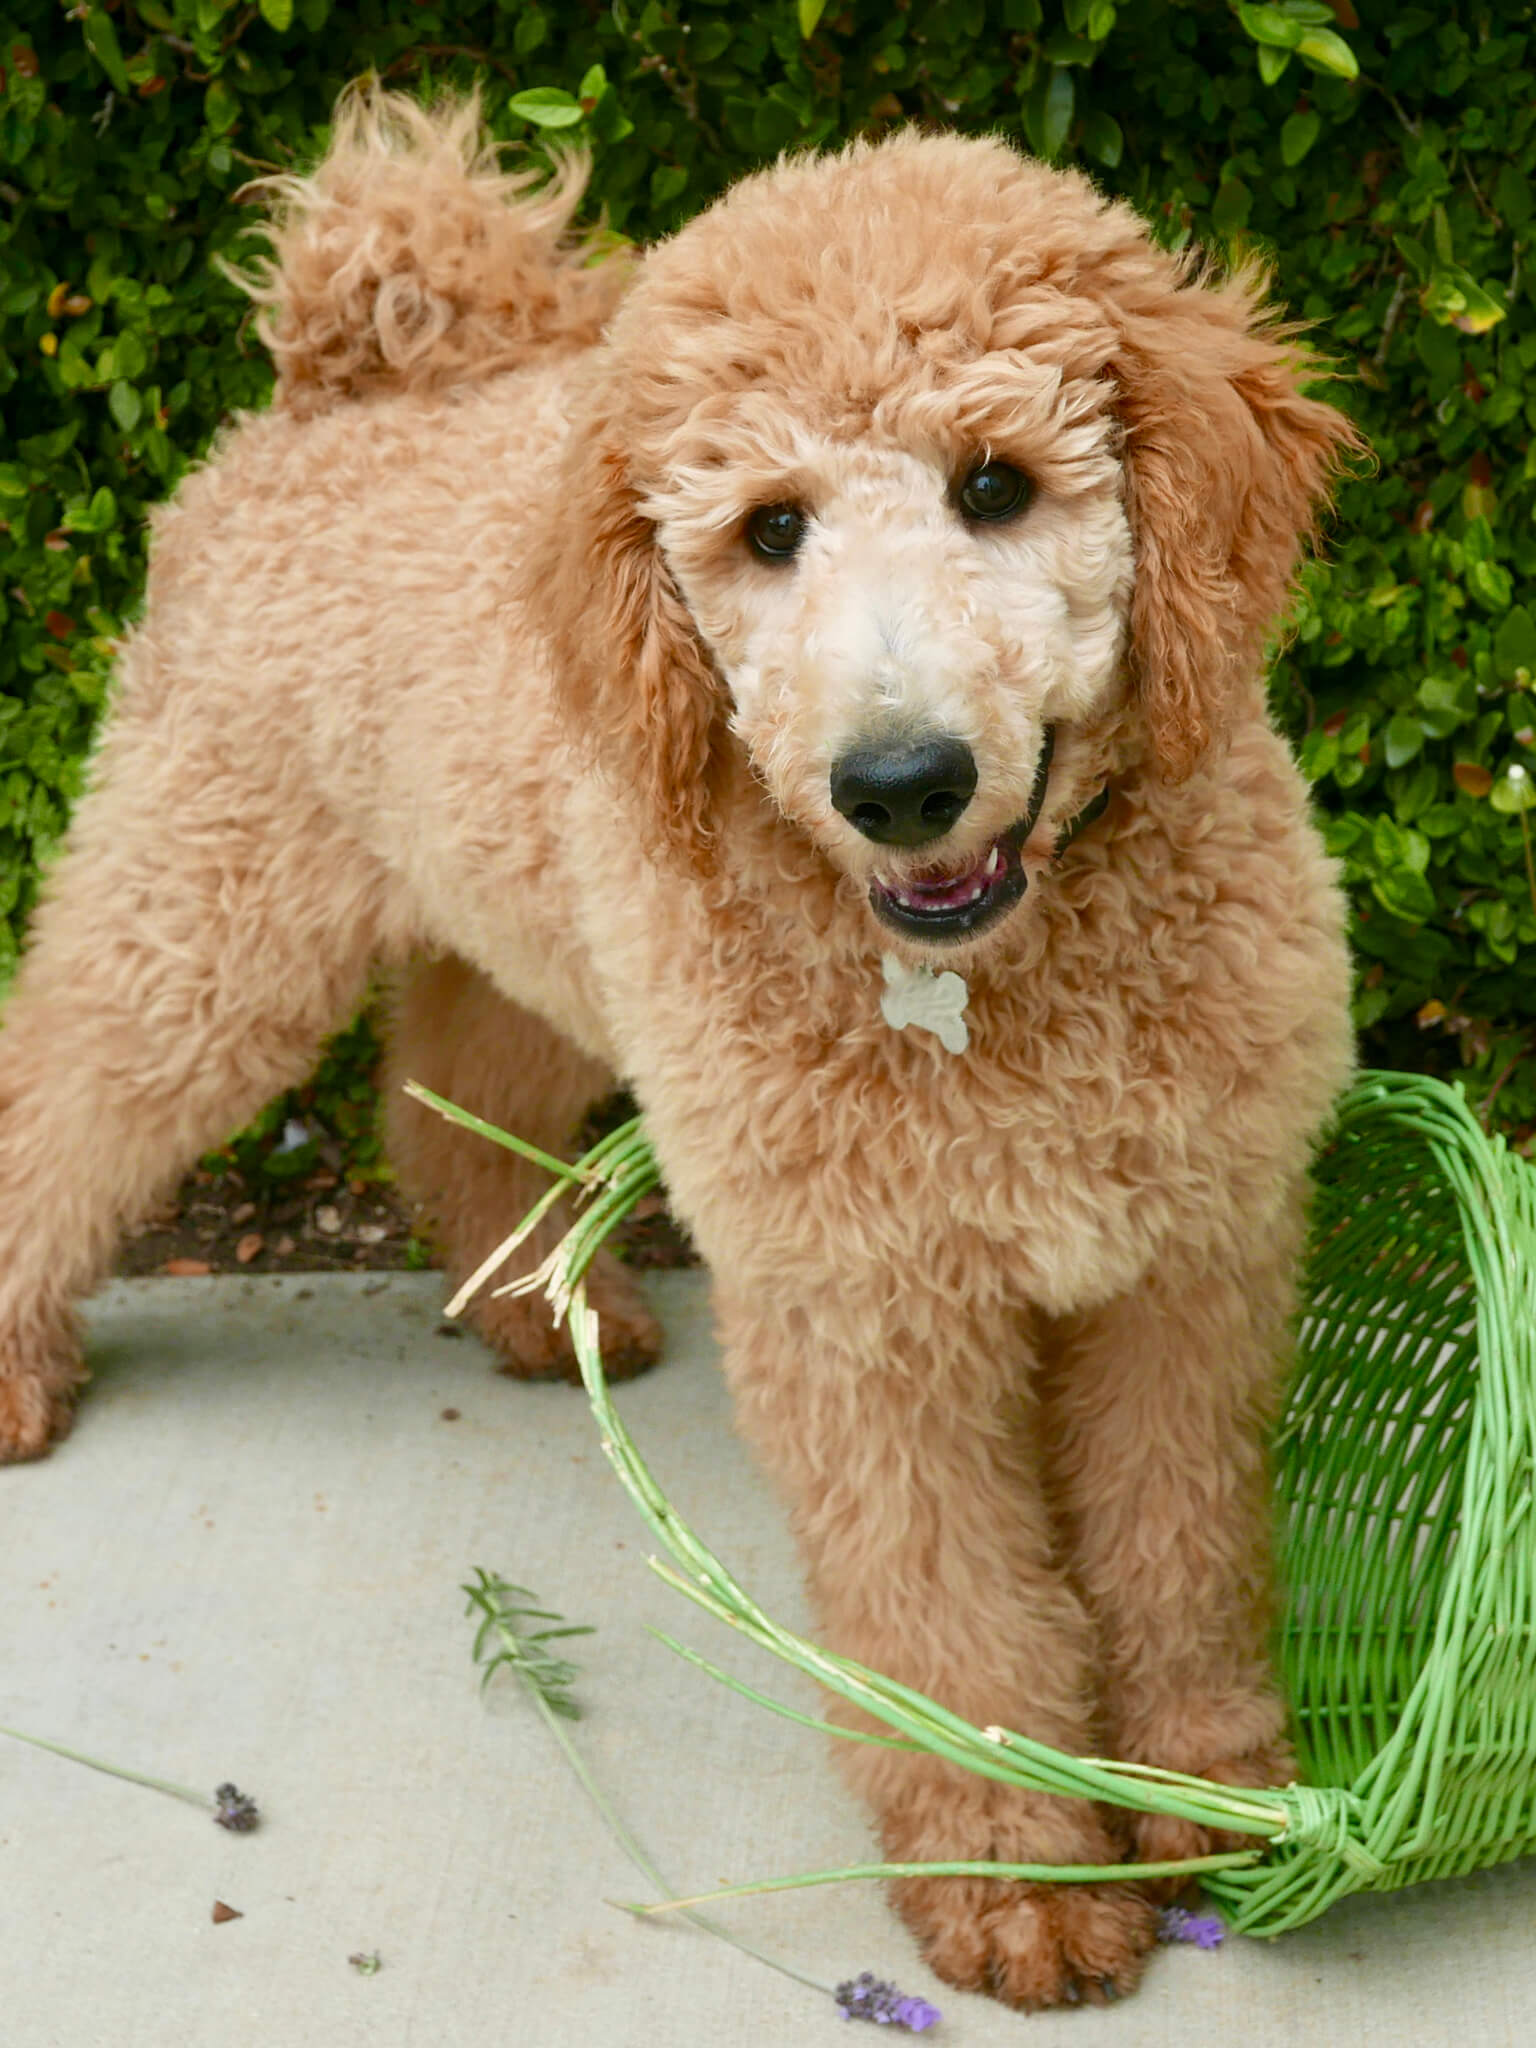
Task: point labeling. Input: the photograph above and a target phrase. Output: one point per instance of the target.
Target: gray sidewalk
(245, 1565)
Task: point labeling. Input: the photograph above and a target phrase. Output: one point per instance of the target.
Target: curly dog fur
(461, 658)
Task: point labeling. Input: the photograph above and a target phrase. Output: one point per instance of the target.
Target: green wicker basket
(1405, 1464)
(1404, 1467)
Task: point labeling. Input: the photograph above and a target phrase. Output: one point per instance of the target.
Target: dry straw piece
(1404, 1470)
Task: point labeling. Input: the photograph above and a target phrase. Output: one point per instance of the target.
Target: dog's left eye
(994, 490)
(775, 531)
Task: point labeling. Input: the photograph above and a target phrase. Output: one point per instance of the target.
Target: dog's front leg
(894, 1416)
(1158, 1409)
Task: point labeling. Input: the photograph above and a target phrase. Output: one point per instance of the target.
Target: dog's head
(912, 474)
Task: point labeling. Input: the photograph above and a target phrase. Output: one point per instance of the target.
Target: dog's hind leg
(454, 1032)
(202, 931)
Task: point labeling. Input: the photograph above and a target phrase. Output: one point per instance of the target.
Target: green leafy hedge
(1397, 205)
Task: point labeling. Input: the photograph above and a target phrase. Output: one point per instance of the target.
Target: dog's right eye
(775, 531)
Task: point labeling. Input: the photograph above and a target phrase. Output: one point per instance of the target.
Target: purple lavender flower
(1201, 1930)
(236, 1810)
(868, 1997)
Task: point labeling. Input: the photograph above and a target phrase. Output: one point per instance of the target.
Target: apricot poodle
(812, 671)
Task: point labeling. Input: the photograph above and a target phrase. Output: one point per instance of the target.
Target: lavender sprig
(231, 1809)
(236, 1810)
(867, 1997)
(1200, 1930)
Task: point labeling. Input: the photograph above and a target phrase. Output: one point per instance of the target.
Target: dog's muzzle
(945, 907)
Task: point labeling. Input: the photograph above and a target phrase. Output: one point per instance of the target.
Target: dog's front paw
(1161, 1839)
(1031, 1945)
(531, 1346)
(35, 1414)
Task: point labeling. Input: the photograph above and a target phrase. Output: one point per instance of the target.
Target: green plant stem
(1022, 1873)
(583, 1176)
(95, 1763)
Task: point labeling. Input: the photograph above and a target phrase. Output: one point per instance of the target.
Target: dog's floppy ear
(1227, 465)
(634, 683)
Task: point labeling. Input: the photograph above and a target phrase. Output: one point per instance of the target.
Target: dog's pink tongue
(942, 892)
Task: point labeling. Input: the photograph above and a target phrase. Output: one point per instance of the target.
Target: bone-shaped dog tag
(931, 1002)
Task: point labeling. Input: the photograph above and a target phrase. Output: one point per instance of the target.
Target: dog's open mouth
(958, 903)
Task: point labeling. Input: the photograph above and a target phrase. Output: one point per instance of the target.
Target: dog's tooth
(994, 861)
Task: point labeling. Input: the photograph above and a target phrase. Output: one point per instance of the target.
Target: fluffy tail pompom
(410, 259)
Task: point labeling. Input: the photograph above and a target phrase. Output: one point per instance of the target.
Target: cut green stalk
(1039, 1873)
(562, 1169)
(763, 1699)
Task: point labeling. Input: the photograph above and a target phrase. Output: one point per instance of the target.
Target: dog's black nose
(904, 795)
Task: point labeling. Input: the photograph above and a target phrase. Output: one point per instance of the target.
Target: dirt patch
(218, 1223)
(231, 1222)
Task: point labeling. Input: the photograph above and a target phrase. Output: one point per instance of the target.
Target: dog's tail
(410, 259)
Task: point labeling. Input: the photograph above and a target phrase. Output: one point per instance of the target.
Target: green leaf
(1413, 794)
(95, 516)
(1452, 700)
(125, 405)
(1395, 846)
(810, 13)
(1048, 111)
(1514, 645)
(1406, 894)
(1269, 25)
(1232, 205)
(1297, 136)
(667, 182)
(1102, 139)
(1454, 298)
(14, 481)
(546, 106)
(1325, 51)
(1512, 197)
(1514, 791)
(221, 109)
(1437, 348)
(1491, 584)
(1370, 1004)
(1408, 23)
(1075, 14)
(130, 358)
(1404, 738)
(1273, 62)
(1319, 754)
(277, 14)
(1355, 732)
(1441, 821)
(1062, 48)
(1416, 256)
(101, 40)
